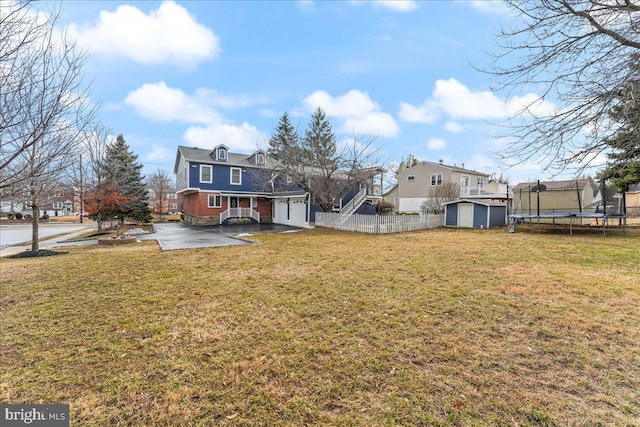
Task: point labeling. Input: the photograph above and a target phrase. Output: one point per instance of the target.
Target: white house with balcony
(418, 183)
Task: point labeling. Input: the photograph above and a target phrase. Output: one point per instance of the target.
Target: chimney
(463, 166)
(441, 161)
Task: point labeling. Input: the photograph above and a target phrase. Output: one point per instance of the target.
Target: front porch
(244, 207)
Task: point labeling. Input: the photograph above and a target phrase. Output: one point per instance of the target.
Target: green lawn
(436, 328)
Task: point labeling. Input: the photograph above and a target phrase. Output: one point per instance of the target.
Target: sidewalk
(48, 243)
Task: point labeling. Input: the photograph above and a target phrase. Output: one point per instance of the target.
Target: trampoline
(515, 219)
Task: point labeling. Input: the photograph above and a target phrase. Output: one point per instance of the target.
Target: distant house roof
(454, 168)
(558, 185)
(634, 189)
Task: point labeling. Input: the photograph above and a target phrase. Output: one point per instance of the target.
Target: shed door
(465, 215)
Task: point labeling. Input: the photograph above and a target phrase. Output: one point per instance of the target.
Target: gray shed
(473, 213)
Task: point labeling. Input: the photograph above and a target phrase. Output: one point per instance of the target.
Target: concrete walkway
(50, 243)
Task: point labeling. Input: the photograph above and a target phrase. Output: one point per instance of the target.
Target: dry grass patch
(446, 327)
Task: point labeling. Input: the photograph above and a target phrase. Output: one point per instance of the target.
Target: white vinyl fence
(378, 224)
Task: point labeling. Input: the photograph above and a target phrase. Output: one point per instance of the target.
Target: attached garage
(475, 213)
(291, 211)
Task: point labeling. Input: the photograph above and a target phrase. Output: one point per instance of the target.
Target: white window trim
(231, 176)
(254, 202)
(216, 197)
(437, 182)
(210, 174)
(260, 159)
(222, 154)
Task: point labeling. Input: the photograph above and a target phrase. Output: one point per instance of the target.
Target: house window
(58, 205)
(172, 196)
(411, 178)
(205, 173)
(236, 176)
(480, 182)
(289, 179)
(215, 201)
(222, 154)
(260, 159)
(436, 179)
(254, 202)
(58, 193)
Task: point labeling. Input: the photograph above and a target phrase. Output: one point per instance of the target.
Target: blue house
(221, 187)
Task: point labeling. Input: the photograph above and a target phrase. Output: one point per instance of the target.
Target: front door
(233, 202)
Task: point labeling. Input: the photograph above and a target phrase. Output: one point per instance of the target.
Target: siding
(452, 215)
(479, 216)
(497, 216)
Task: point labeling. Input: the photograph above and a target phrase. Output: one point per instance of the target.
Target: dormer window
(260, 158)
(219, 153)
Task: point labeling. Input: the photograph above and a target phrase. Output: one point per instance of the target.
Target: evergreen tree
(319, 142)
(284, 140)
(623, 168)
(122, 174)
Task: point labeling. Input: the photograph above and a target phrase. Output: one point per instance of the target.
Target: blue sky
(203, 73)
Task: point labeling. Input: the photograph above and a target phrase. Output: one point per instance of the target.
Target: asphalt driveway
(171, 236)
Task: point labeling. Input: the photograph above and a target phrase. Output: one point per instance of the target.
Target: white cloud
(157, 101)
(159, 153)
(168, 35)
(456, 101)
(358, 113)
(396, 5)
(497, 7)
(454, 127)
(436, 144)
(425, 113)
(243, 138)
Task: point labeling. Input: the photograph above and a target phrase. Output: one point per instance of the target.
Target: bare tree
(580, 54)
(318, 165)
(438, 195)
(49, 111)
(160, 184)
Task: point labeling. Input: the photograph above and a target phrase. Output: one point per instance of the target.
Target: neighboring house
(220, 187)
(632, 200)
(59, 201)
(417, 182)
(171, 202)
(569, 196)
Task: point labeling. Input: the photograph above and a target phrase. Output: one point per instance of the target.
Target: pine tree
(284, 140)
(319, 142)
(122, 174)
(623, 168)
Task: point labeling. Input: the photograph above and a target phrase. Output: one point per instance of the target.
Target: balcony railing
(240, 213)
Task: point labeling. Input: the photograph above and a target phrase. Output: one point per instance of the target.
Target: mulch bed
(34, 254)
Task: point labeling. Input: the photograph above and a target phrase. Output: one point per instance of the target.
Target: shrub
(18, 215)
(9, 216)
(45, 216)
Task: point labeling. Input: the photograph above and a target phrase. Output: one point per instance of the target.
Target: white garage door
(298, 212)
(280, 207)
